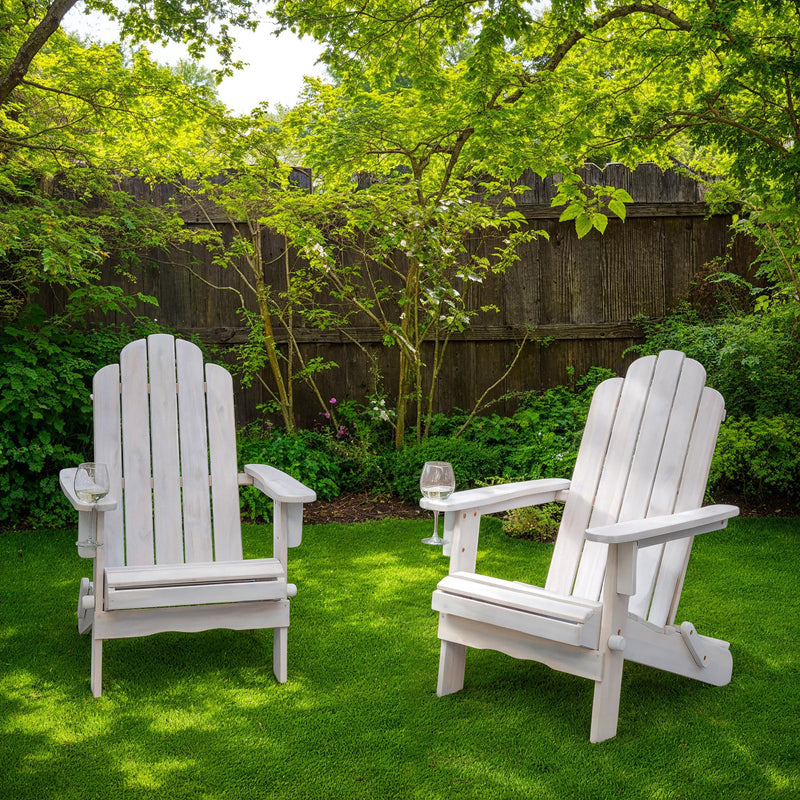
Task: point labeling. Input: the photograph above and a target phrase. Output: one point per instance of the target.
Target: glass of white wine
(91, 485)
(437, 482)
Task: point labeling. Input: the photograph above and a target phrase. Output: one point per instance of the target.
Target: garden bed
(364, 507)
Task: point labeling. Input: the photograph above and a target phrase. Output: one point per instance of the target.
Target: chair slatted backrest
(164, 424)
(646, 451)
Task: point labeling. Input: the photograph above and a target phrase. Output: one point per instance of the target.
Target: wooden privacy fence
(581, 296)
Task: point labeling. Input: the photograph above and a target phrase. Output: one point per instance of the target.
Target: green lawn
(200, 716)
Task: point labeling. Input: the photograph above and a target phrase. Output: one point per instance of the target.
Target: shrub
(758, 456)
(46, 369)
(360, 443)
(542, 437)
(303, 455)
(752, 360)
(538, 523)
(471, 463)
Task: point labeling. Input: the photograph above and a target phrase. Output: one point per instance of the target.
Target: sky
(276, 64)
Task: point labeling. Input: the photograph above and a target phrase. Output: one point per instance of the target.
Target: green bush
(758, 456)
(46, 369)
(753, 361)
(304, 455)
(537, 523)
(472, 462)
(360, 443)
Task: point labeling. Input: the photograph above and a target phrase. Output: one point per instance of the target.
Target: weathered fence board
(580, 296)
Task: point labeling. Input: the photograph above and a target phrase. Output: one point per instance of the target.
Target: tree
(635, 81)
(403, 246)
(246, 186)
(83, 118)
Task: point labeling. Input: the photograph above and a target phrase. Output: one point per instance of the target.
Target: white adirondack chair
(632, 510)
(169, 556)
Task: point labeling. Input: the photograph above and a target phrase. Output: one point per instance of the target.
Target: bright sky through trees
(275, 65)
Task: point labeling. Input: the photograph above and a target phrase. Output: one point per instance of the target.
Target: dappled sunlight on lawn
(201, 715)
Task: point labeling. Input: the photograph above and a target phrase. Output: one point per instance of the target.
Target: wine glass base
(433, 540)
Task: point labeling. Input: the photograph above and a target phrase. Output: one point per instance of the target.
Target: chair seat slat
(210, 572)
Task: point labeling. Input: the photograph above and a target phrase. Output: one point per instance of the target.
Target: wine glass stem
(435, 523)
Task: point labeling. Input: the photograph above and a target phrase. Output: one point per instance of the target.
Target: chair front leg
(619, 584)
(280, 661)
(96, 675)
(464, 543)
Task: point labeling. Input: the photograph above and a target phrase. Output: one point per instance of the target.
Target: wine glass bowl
(91, 482)
(437, 482)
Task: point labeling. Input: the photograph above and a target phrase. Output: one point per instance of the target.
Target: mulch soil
(364, 507)
(361, 507)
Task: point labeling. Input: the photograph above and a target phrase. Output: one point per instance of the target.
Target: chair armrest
(656, 530)
(66, 479)
(277, 485)
(288, 496)
(504, 497)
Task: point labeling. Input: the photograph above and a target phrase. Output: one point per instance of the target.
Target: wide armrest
(656, 530)
(504, 497)
(278, 485)
(66, 479)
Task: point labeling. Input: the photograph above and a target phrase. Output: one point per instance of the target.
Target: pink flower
(332, 401)
(327, 415)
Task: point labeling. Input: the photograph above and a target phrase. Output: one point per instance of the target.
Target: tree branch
(32, 45)
(604, 19)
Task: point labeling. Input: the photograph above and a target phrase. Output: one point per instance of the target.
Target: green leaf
(570, 212)
(618, 208)
(583, 224)
(600, 221)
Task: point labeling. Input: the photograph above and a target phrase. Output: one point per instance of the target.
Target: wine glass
(437, 482)
(91, 482)
(91, 485)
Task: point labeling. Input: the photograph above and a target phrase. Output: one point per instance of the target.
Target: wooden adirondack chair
(169, 556)
(632, 510)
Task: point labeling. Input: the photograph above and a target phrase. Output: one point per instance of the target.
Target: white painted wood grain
(108, 450)
(477, 608)
(136, 465)
(224, 472)
(130, 623)
(583, 488)
(615, 473)
(193, 436)
(167, 519)
(668, 477)
(195, 573)
(674, 562)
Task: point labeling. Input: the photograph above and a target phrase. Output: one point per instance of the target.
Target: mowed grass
(201, 716)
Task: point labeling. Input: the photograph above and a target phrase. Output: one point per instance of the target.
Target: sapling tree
(236, 194)
(404, 246)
